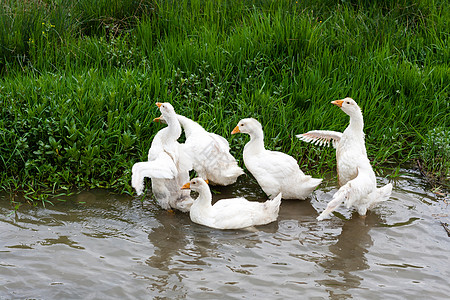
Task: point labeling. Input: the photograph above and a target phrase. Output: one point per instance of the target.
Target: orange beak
(337, 102)
(235, 130)
(157, 120)
(158, 104)
(207, 181)
(187, 186)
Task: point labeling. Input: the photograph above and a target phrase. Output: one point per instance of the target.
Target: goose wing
(162, 168)
(321, 137)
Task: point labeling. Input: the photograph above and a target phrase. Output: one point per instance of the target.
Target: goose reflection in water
(349, 255)
(169, 240)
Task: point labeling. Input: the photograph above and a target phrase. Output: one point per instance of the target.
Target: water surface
(97, 245)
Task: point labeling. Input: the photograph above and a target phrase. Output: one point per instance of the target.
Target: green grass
(79, 81)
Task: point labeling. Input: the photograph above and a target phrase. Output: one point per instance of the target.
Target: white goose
(276, 172)
(235, 213)
(209, 152)
(355, 174)
(168, 166)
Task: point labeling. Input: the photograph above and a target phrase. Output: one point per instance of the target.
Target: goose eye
(348, 102)
(242, 125)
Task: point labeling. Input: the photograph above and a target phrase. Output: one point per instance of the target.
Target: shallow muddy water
(102, 246)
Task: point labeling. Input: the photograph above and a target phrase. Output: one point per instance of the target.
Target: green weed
(435, 154)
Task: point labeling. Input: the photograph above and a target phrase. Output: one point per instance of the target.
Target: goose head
(348, 105)
(248, 125)
(166, 109)
(195, 184)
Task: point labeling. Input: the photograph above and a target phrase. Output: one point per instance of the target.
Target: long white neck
(356, 125)
(256, 143)
(354, 135)
(189, 126)
(204, 198)
(174, 128)
(356, 121)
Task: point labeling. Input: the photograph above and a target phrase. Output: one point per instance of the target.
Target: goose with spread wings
(355, 174)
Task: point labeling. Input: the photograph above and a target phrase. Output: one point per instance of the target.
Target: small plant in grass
(435, 154)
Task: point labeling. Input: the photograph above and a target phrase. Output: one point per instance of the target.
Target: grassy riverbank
(80, 79)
